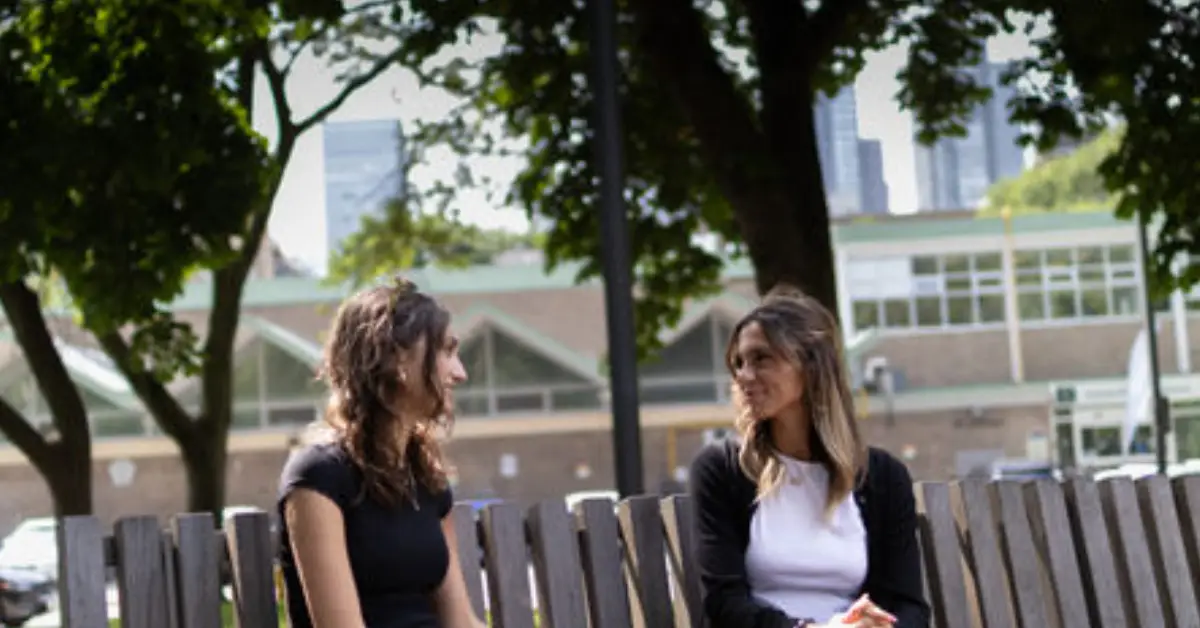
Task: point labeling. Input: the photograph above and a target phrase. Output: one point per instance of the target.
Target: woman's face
(449, 373)
(770, 383)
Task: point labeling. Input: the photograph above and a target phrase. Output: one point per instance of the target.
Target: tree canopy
(121, 147)
(1070, 182)
(717, 104)
(129, 161)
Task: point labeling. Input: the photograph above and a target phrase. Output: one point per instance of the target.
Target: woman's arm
(318, 538)
(720, 556)
(897, 581)
(453, 604)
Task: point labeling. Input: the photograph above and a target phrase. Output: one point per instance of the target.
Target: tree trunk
(204, 457)
(787, 229)
(69, 477)
(765, 163)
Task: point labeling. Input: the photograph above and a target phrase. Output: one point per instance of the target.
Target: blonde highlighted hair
(803, 332)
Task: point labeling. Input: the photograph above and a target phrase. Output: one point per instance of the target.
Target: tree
(1064, 183)
(360, 40)
(718, 98)
(406, 237)
(120, 146)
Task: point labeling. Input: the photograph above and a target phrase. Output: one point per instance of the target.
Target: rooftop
(529, 277)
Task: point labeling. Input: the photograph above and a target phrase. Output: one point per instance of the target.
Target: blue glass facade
(363, 171)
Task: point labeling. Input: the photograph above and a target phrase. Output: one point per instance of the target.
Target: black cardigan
(724, 504)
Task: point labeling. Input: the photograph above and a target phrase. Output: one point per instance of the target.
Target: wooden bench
(997, 555)
(167, 578)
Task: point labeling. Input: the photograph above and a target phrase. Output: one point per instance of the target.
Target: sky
(298, 220)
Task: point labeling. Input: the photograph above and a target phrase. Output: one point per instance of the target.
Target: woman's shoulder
(716, 457)
(322, 466)
(885, 469)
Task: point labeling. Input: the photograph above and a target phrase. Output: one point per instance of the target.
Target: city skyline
(297, 222)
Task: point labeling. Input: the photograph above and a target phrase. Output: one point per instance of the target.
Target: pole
(614, 238)
(1161, 406)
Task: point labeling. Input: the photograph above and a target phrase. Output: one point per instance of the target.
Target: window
(505, 376)
(927, 291)
(691, 369)
(1077, 283)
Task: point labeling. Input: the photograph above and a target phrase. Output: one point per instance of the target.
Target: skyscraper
(363, 171)
(874, 187)
(956, 172)
(836, 122)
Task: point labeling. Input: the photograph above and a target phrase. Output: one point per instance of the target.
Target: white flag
(1139, 392)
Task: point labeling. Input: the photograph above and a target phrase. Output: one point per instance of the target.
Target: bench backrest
(1109, 554)
(167, 578)
(997, 554)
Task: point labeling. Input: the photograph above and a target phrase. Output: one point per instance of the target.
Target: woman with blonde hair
(798, 522)
(368, 538)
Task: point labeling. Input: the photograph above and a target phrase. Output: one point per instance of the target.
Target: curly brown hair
(373, 331)
(804, 332)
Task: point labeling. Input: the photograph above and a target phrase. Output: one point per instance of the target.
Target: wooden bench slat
(942, 554)
(1132, 552)
(252, 557)
(1097, 560)
(679, 523)
(470, 555)
(1187, 504)
(561, 600)
(1052, 532)
(1022, 561)
(1167, 552)
(645, 561)
(600, 553)
(984, 554)
(141, 573)
(81, 572)
(197, 567)
(507, 564)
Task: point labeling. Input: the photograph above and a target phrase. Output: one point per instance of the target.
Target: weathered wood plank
(141, 575)
(1052, 532)
(470, 555)
(1168, 553)
(81, 572)
(555, 549)
(942, 552)
(197, 566)
(679, 523)
(507, 561)
(252, 556)
(600, 554)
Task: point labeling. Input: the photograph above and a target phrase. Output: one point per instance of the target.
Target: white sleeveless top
(796, 560)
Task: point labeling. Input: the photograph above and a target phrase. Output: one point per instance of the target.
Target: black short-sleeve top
(398, 554)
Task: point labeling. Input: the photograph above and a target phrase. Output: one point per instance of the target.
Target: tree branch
(22, 434)
(827, 24)
(318, 33)
(277, 82)
(23, 308)
(171, 417)
(348, 90)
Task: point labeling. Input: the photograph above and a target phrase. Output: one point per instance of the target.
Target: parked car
(32, 547)
(24, 594)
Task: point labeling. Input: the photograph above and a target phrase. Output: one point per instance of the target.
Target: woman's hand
(862, 614)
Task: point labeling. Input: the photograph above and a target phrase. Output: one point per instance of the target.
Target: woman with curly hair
(367, 537)
(798, 522)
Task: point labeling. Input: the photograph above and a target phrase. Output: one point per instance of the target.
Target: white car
(32, 547)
